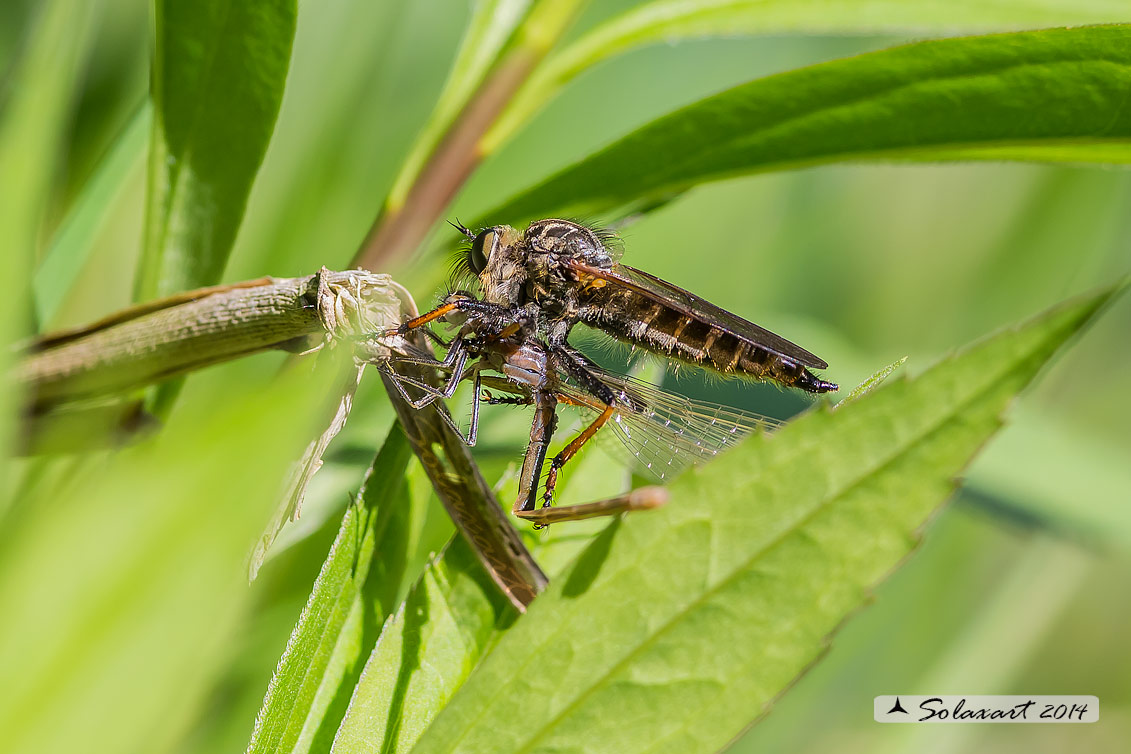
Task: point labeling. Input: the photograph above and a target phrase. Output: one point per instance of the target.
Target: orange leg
(645, 498)
(424, 319)
(569, 451)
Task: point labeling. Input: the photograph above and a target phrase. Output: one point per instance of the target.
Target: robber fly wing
(664, 432)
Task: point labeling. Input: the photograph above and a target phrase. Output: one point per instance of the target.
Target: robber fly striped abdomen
(688, 329)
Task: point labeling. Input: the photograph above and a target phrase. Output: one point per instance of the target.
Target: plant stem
(150, 342)
(176, 335)
(467, 498)
(399, 229)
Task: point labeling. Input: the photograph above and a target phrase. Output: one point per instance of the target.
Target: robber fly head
(495, 256)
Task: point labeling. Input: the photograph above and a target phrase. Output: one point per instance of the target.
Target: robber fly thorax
(525, 272)
(535, 286)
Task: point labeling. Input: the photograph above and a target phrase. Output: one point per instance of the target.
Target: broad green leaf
(407, 679)
(668, 21)
(491, 26)
(122, 583)
(33, 116)
(218, 75)
(344, 613)
(424, 654)
(674, 630)
(1056, 95)
(73, 242)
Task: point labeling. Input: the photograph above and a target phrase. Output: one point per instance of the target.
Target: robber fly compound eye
(481, 249)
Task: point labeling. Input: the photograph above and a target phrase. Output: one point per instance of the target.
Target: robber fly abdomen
(638, 320)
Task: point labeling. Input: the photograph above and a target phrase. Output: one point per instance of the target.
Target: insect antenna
(462, 229)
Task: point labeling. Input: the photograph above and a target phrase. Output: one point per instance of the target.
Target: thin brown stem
(466, 496)
(398, 231)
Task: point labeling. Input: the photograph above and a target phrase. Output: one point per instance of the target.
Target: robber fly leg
(510, 400)
(454, 361)
(458, 304)
(473, 430)
(581, 368)
(516, 395)
(457, 351)
(545, 419)
(569, 451)
(472, 433)
(645, 498)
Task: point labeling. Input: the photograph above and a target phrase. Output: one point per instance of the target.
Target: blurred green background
(1020, 585)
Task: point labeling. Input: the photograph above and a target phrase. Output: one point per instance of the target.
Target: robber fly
(535, 286)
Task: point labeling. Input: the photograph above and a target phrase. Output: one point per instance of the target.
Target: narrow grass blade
(424, 654)
(447, 624)
(491, 26)
(73, 242)
(354, 593)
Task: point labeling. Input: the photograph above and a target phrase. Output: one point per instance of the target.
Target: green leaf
(322, 662)
(1057, 95)
(688, 622)
(424, 654)
(74, 240)
(451, 618)
(669, 21)
(34, 106)
(218, 75)
(123, 577)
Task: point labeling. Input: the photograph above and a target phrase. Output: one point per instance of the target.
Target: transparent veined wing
(664, 432)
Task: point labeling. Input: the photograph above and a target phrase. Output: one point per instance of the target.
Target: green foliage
(218, 75)
(119, 585)
(1052, 96)
(696, 617)
(424, 654)
(667, 21)
(74, 242)
(33, 111)
(128, 624)
(491, 25)
(345, 611)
